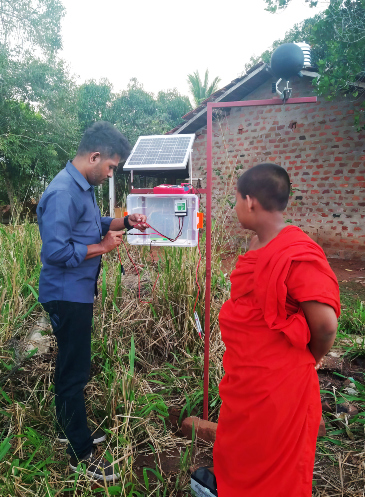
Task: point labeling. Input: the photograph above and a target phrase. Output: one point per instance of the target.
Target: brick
(174, 415)
(205, 430)
(338, 151)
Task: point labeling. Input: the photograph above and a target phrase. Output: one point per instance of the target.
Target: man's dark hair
(268, 183)
(103, 137)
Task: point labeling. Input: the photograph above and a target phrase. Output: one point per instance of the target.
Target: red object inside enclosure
(172, 189)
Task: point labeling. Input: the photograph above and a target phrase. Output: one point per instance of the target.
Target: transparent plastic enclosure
(160, 212)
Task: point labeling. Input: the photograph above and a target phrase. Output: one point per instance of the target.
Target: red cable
(158, 274)
(164, 236)
(139, 278)
(196, 275)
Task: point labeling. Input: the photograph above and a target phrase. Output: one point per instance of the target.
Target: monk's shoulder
(297, 234)
(254, 243)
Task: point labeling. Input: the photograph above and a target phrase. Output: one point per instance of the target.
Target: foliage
(38, 127)
(201, 90)
(134, 111)
(137, 112)
(275, 5)
(340, 37)
(352, 319)
(145, 359)
(299, 33)
(31, 24)
(337, 37)
(20, 267)
(93, 102)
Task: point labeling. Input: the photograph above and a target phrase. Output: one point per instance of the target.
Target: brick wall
(319, 147)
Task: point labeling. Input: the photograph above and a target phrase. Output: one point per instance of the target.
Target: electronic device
(160, 152)
(203, 483)
(173, 219)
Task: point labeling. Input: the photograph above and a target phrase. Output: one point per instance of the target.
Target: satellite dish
(287, 61)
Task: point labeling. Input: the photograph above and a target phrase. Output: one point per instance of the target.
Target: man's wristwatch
(126, 223)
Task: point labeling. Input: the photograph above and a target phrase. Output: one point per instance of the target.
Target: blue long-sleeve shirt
(69, 219)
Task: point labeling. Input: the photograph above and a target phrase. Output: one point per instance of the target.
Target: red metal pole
(271, 101)
(208, 260)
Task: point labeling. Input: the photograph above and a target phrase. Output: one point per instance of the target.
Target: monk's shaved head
(268, 183)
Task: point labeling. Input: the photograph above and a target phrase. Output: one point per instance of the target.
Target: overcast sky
(159, 42)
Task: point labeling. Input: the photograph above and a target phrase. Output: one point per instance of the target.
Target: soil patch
(348, 271)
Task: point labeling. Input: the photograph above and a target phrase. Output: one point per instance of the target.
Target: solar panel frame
(160, 152)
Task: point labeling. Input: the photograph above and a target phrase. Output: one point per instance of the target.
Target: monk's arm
(322, 322)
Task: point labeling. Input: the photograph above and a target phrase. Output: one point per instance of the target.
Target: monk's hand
(318, 365)
(138, 221)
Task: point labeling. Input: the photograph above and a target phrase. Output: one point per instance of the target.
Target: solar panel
(160, 152)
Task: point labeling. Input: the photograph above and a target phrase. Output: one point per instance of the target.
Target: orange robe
(271, 409)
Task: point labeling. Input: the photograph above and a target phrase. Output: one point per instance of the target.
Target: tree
(199, 90)
(28, 152)
(133, 111)
(31, 24)
(337, 38)
(94, 102)
(173, 106)
(340, 41)
(275, 5)
(38, 123)
(137, 112)
(299, 33)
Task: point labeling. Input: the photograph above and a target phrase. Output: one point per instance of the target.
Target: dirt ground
(348, 271)
(339, 469)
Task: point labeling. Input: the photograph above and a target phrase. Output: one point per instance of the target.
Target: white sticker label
(199, 490)
(180, 208)
(198, 325)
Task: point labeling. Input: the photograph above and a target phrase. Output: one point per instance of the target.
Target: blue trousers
(71, 323)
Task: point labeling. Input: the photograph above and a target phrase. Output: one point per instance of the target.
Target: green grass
(146, 358)
(352, 319)
(19, 275)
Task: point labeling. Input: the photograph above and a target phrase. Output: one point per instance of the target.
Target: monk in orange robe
(277, 326)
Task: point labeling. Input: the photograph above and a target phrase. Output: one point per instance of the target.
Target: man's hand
(138, 221)
(111, 240)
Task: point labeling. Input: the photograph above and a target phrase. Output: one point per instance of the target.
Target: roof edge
(244, 79)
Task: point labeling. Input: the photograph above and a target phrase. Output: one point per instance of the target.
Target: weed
(352, 319)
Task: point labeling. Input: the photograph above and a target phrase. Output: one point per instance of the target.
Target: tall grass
(19, 275)
(146, 357)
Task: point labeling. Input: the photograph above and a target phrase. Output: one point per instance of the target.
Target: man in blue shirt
(71, 229)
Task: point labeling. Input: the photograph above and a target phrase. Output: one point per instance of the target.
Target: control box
(180, 207)
(170, 216)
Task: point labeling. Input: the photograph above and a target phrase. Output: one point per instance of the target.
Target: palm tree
(200, 91)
